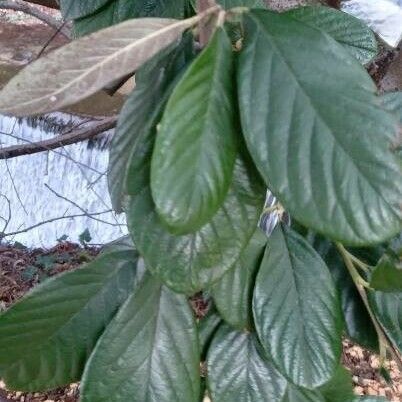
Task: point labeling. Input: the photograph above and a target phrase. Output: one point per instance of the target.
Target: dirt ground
(21, 269)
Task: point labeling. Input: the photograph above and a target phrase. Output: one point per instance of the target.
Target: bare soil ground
(21, 269)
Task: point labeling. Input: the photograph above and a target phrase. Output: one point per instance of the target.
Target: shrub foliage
(229, 100)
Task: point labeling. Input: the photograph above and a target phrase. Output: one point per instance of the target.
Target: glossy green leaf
(388, 310)
(339, 388)
(116, 11)
(142, 111)
(195, 150)
(234, 292)
(46, 338)
(192, 262)
(296, 310)
(387, 275)
(358, 324)
(349, 31)
(72, 9)
(238, 372)
(318, 134)
(207, 326)
(149, 352)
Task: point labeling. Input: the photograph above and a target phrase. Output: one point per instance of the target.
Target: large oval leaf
(83, 67)
(149, 352)
(195, 150)
(318, 134)
(237, 371)
(349, 31)
(233, 294)
(116, 11)
(296, 310)
(46, 338)
(388, 310)
(142, 111)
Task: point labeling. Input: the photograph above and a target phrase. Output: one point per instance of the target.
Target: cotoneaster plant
(230, 99)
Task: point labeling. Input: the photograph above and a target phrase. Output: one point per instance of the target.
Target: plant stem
(384, 342)
(205, 30)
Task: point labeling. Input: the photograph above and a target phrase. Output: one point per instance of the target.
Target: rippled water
(76, 172)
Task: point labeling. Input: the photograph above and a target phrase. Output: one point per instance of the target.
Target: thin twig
(4, 235)
(25, 7)
(384, 341)
(51, 39)
(205, 30)
(59, 141)
(85, 212)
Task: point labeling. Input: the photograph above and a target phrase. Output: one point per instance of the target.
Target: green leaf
(85, 237)
(388, 309)
(72, 9)
(234, 292)
(46, 338)
(296, 310)
(238, 372)
(339, 388)
(207, 326)
(358, 39)
(387, 275)
(142, 111)
(84, 66)
(116, 11)
(195, 150)
(149, 352)
(318, 135)
(192, 262)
